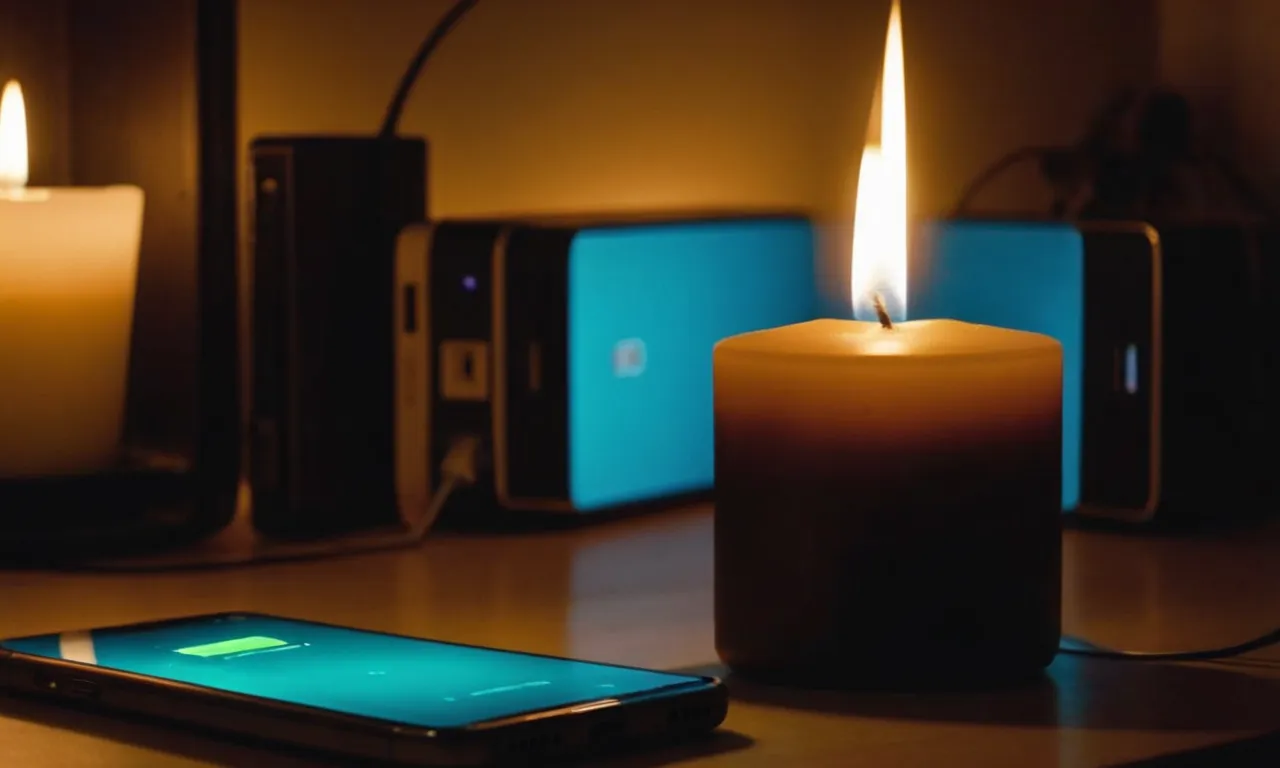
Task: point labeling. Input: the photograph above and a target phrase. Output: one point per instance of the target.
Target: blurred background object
(143, 93)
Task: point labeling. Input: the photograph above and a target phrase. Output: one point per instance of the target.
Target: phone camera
(469, 283)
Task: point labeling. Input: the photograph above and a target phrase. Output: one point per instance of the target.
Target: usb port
(410, 309)
(464, 369)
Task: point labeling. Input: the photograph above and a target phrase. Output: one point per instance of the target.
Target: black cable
(1208, 654)
(1243, 187)
(433, 40)
(992, 172)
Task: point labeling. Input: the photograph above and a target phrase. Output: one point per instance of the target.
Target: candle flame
(13, 137)
(879, 254)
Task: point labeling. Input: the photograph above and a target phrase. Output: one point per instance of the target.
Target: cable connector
(462, 461)
(460, 467)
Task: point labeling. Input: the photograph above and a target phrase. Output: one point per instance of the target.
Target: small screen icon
(629, 358)
(239, 648)
(238, 645)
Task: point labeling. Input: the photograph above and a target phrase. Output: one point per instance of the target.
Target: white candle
(68, 269)
(887, 493)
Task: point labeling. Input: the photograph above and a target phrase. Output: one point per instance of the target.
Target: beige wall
(555, 105)
(1223, 54)
(990, 76)
(580, 105)
(33, 50)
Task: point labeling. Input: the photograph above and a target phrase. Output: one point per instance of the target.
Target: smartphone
(361, 694)
(1095, 287)
(604, 333)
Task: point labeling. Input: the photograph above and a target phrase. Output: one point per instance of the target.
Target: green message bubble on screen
(238, 645)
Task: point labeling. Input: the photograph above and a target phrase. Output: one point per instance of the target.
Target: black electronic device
(444, 361)
(1216, 410)
(1177, 368)
(327, 211)
(579, 348)
(1166, 359)
(359, 694)
(1121, 462)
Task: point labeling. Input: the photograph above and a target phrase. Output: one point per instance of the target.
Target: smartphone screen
(403, 680)
(1024, 275)
(647, 305)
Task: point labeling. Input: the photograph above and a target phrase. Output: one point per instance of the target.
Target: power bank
(582, 348)
(444, 363)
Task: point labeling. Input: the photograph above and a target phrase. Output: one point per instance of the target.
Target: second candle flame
(13, 138)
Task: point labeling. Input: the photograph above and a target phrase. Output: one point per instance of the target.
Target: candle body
(888, 503)
(68, 271)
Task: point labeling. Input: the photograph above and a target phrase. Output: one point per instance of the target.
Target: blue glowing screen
(1026, 276)
(397, 679)
(646, 306)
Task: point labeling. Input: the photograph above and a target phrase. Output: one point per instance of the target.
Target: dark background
(581, 105)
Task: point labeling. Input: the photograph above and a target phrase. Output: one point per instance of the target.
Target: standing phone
(361, 694)
(1096, 288)
(1029, 276)
(603, 336)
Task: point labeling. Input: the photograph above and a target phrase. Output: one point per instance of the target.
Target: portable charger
(580, 348)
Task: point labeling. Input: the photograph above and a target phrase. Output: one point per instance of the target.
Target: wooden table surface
(638, 591)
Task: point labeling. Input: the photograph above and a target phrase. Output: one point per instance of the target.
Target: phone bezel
(1154, 376)
(321, 729)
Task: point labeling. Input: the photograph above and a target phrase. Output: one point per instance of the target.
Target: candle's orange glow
(880, 221)
(13, 137)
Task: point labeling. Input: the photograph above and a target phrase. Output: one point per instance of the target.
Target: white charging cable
(459, 468)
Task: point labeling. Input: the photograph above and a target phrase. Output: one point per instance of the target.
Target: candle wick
(882, 313)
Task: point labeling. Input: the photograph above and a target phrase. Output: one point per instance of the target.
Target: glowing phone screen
(403, 680)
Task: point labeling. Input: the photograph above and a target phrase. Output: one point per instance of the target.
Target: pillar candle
(887, 502)
(68, 267)
(887, 493)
